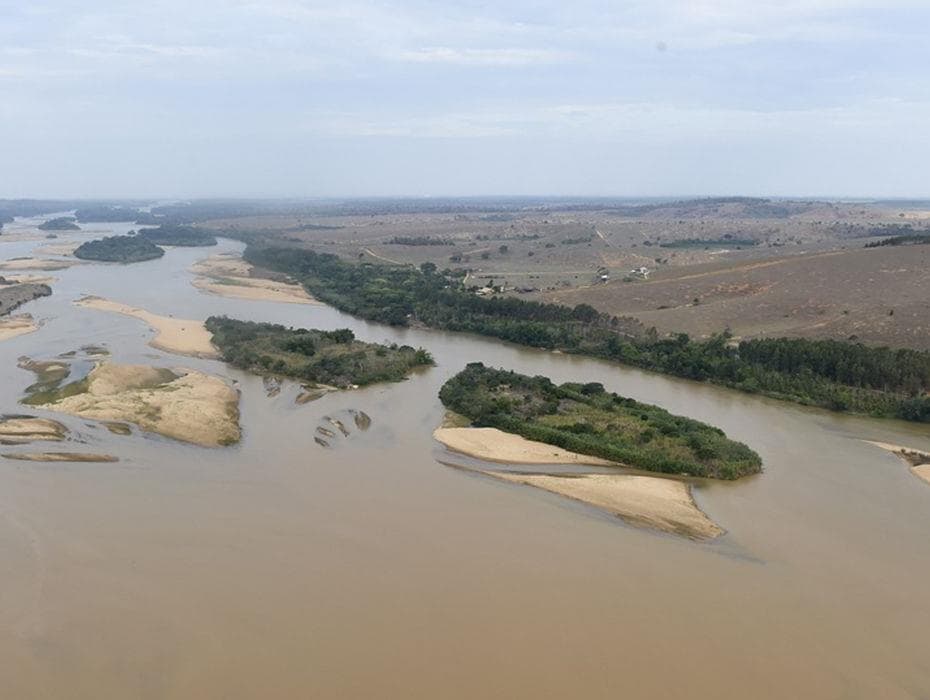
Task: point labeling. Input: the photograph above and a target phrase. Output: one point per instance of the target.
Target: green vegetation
(122, 249)
(419, 240)
(832, 374)
(62, 223)
(587, 419)
(902, 239)
(726, 242)
(168, 234)
(335, 357)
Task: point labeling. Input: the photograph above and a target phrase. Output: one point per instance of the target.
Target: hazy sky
(294, 97)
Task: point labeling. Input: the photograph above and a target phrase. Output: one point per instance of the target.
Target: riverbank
(175, 335)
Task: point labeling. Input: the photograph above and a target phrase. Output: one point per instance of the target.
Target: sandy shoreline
(13, 326)
(918, 460)
(230, 276)
(648, 501)
(493, 445)
(180, 336)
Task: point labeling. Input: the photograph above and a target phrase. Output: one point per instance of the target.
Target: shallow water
(277, 568)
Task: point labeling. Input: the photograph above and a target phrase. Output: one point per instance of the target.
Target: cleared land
(877, 296)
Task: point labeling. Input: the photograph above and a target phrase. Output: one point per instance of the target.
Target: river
(279, 569)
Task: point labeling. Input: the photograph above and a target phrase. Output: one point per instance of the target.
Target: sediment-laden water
(280, 568)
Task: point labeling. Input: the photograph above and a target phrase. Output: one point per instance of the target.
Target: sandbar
(37, 264)
(230, 276)
(13, 326)
(185, 405)
(19, 430)
(180, 336)
(661, 504)
(493, 445)
(60, 457)
(918, 460)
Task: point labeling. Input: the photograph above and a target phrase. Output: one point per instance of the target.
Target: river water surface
(279, 569)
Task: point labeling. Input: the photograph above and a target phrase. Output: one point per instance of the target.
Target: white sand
(194, 407)
(921, 471)
(662, 504)
(493, 445)
(229, 276)
(181, 336)
(13, 326)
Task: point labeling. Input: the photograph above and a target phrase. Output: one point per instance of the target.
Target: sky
(285, 98)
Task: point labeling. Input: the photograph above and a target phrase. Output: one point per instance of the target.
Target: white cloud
(485, 57)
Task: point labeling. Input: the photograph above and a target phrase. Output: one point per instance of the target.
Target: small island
(585, 419)
(121, 249)
(188, 236)
(62, 223)
(327, 358)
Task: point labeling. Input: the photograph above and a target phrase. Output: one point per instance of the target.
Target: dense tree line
(334, 358)
(902, 239)
(587, 419)
(832, 374)
(419, 240)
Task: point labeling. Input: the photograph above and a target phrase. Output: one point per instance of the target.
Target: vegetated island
(586, 419)
(121, 249)
(326, 358)
(62, 223)
(168, 234)
(837, 375)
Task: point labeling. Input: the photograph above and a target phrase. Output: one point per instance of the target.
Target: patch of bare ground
(877, 296)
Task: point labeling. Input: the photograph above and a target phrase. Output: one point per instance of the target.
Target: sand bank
(58, 249)
(37, 264)
(12, 326)
(59, 457)
(230, 276)
(188, 406)
(662, 504)
(917, 459)
(176, 335)
(19, 430)
(493, 445)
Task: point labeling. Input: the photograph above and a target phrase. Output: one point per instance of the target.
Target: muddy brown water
(280, 569)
